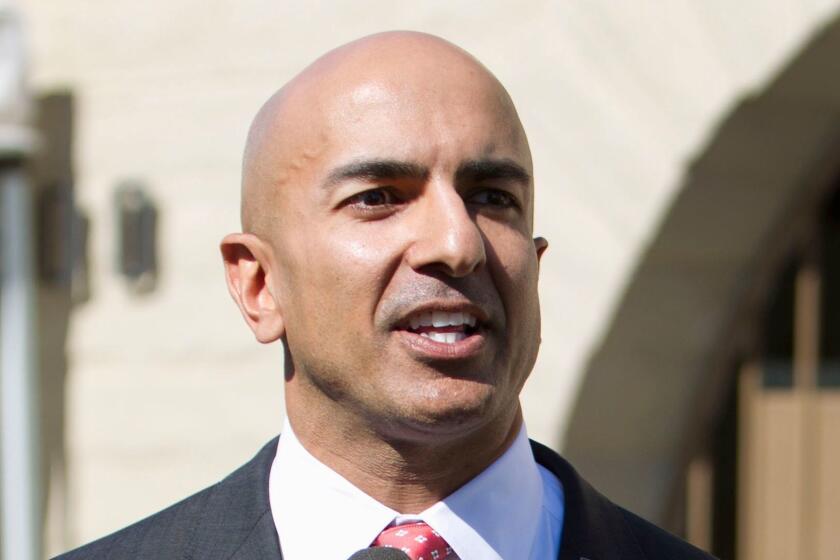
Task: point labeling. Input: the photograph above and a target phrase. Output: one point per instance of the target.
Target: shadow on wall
(62, 272)
(653, 390)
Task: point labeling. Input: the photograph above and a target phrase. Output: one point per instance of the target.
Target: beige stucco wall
(169, 392)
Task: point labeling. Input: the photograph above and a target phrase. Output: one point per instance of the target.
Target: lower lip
(431, 349)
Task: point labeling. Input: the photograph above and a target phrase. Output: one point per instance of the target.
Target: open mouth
(443, 327)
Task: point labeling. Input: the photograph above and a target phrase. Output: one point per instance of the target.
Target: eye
(372, 200)
(373, 197)
(494, 197)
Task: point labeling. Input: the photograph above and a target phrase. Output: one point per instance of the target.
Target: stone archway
(653, 385)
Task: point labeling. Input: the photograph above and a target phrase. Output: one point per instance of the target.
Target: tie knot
(418, 540)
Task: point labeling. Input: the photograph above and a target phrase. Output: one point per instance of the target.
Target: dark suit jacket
(231, 520)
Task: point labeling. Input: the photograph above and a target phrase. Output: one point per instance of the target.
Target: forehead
(403, 97)
(441, 120)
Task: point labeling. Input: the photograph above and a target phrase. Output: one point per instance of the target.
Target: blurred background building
(687, 161)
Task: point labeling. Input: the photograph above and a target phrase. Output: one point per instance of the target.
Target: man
(387, 209)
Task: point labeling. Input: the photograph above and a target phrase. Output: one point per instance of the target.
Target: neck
(407, 474)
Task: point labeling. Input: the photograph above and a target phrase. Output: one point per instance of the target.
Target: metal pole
(21, 535)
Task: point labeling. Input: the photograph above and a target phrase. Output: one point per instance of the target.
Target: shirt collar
(495, 515)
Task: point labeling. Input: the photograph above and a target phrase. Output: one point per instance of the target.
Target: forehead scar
(302, 160)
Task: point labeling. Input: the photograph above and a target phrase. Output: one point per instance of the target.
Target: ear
(247, 262)
(541, 244)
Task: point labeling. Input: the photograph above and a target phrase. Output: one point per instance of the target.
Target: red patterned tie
(418, 540)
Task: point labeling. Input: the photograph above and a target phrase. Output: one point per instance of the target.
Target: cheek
(512, 255)
(360, 264)
(513, 264)
(338, 279)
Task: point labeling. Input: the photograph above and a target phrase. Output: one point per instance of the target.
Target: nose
(447, 237)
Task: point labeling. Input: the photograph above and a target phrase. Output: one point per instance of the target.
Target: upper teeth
(442, 319)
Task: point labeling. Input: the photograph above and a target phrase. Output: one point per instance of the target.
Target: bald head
(391, 178)
(368, 83)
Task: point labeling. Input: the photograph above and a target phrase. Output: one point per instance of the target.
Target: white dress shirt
(513, 510)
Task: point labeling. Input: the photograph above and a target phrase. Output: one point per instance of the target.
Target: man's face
(406, 269)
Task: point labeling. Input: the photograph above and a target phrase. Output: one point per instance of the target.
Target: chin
(451, 414)
(431, 401)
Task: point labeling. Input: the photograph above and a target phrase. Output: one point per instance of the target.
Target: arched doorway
(766, 486)
(659, 392)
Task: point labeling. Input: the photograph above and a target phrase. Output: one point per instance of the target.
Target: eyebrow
(468, 171)
(376, 169)
(484, 169)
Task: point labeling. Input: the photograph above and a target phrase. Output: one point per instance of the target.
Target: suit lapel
(236, 522)
(593, 527)
(261, 543)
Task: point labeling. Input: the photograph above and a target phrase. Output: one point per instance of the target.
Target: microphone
(380, 553)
